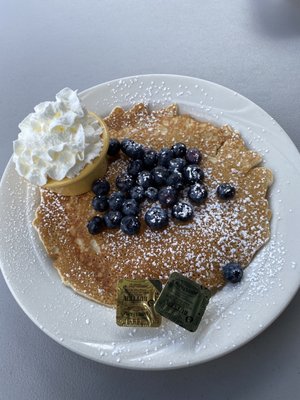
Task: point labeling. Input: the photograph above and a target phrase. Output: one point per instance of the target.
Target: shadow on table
(278, 18)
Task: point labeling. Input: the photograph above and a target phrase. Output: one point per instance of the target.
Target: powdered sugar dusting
(220, 231)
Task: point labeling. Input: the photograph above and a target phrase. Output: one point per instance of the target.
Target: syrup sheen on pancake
(220, 232)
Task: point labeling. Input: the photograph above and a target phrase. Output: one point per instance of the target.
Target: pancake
(221, 231)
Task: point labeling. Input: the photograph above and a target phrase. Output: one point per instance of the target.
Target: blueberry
(150, 158)
(182, 211)
(132, 149)
(125, 143)
(137, 193)
(167, 196)
(130, 207)
(100, 187)
(134, 167)
(95, 225)
(100, 203)
(156, 218)
(226, 191)
(159, 176)
(233, 272)
(176, 180)
(124, 182)
(193, 156)
(112, 219)
(178, 149)
(114, 147)
(144, 179)
(192, 174)
(164, 157)
(197, 193)
(177, 164)
(116, 201)
(151, 193)
(130, 224)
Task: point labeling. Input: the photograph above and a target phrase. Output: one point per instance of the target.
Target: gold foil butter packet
(135, 302)
(183, 301)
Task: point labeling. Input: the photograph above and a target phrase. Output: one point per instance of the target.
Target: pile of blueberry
(153, 176)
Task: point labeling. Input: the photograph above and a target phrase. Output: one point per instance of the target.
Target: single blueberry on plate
(112, 219)
(130, 224)
(193, 173)
(150, 158)
(182, 211)
(226, 191)
(134, 167)
(159, 176)
(100, 187)
(179, 149)
(116, 201)
(164, 157)
(100, 203)
(124, 182)
(130, 207)
(95, 225)
(197, 193)
(193, 156)
(156, 218)
(167, 196)
(177, 164)
(114, 147)
(137, 193)
(151, 193)
(144, 179)
(176, 180)
(232, 272)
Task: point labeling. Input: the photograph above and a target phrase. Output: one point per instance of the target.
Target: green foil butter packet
(135, 302)
(183, 301)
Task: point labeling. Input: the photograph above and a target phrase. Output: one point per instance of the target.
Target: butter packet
(135, 302)
(183, 301)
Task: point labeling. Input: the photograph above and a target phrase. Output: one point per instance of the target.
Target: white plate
(234, 316)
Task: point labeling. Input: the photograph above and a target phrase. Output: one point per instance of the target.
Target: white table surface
(251, 46)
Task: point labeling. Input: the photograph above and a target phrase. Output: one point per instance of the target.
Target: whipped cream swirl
(57, 141)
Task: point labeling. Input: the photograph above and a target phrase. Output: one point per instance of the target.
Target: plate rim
(176, 76)
(243, 342)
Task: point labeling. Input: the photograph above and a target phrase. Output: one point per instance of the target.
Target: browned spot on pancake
(220, 232)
